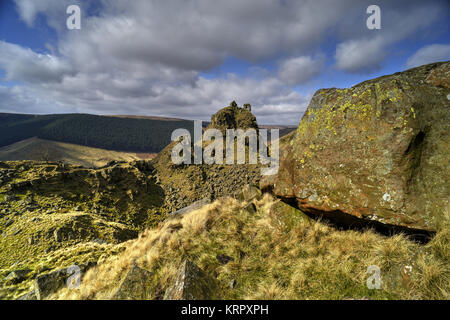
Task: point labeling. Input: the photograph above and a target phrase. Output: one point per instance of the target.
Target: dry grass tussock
(277, 257)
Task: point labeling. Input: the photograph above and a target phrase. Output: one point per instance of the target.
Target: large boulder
(378, 151)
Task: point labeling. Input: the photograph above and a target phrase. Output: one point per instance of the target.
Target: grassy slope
(278, 254)
(40, 150)
(76, 203)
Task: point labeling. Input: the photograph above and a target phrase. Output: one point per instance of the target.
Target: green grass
(278, 257)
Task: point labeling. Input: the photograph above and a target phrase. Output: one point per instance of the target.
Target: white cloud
(21, 64)
(54, 11)
(148, 57)
(429, 54)
(361, 55)
(19, 99)
(367, 53)
(299, 70)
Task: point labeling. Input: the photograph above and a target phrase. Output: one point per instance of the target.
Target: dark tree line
(123, 134)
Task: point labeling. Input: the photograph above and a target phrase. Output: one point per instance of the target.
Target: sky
(189, 58)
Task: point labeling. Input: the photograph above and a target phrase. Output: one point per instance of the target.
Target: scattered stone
(251, 208)
(191, 283)
(99, 241)
(175, 227)
(9, 198)
(31, 240)
(194, 206)
(224, 259)
(57, 235)
(135, 286)
(9, 222)
(286, 216)
(49, 283)
(50, 249)
(29, 296)
(16, 276)
(250, 193)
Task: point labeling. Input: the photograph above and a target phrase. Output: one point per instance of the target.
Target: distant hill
(141, 134)
(125, 133)
(45, 150)
(145, 117)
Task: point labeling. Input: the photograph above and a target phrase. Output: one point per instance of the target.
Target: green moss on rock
(376, 151)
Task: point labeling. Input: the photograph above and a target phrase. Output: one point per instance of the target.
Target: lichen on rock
(377, 151)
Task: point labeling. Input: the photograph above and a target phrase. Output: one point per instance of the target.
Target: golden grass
(276, 260)
(46, 150)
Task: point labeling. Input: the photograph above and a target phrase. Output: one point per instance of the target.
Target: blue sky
(190, 58)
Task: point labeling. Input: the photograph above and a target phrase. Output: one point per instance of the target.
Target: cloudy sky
(189, 58)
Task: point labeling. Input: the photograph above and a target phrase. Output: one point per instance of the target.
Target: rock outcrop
(186, 184)
(234, 117)
(378, 151)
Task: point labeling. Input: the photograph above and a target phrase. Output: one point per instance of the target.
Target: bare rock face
(16, 276)
(49, 283)
(135, 285)
(249, 193)
(191, 283)
(194, 206)
(186, 184)
(375, 152)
